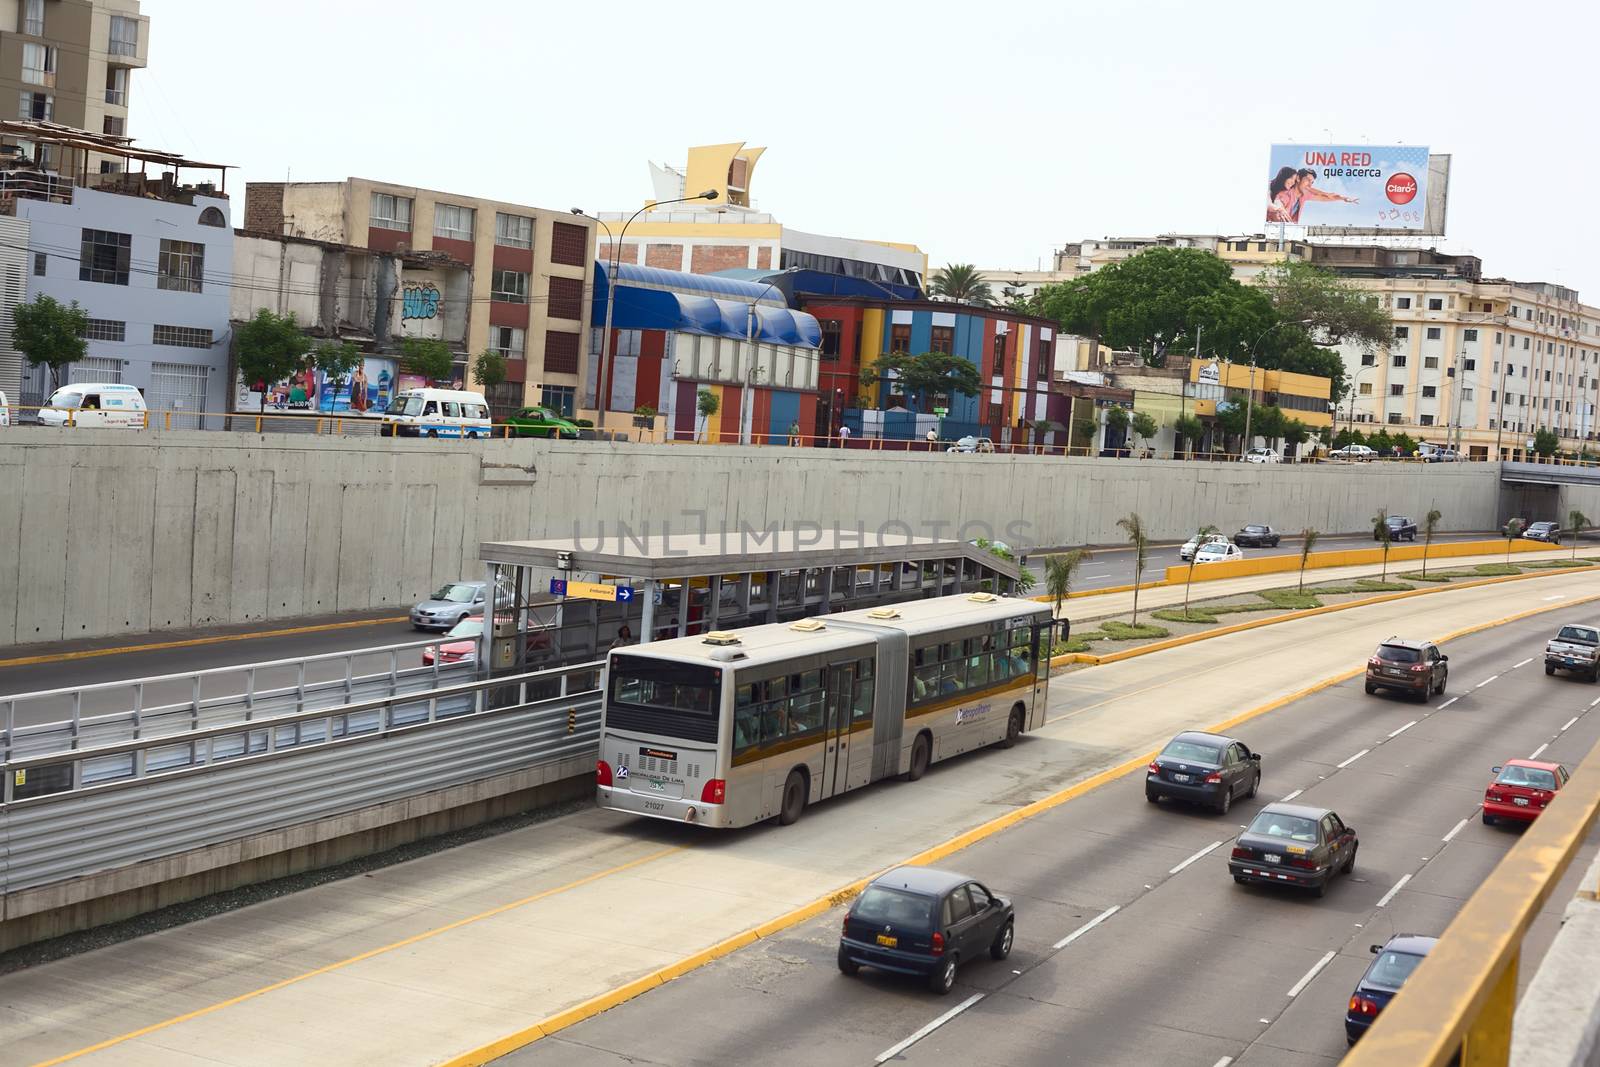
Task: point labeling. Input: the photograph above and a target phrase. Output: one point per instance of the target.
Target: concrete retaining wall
(119, 533)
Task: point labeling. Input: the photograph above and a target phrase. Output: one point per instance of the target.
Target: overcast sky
(989, 133)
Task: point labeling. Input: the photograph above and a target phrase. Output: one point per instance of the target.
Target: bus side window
(861, 707)
(806, 703)
(746, 718)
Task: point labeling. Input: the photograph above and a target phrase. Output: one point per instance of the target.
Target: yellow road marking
(191, 642)
(611, 998)
(367, 955)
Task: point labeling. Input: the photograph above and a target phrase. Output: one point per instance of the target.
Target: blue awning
(638, 308)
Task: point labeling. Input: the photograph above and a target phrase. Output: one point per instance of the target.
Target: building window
(1469, 335)
(1397, 390)
(569, 244)
(1547, 376)
(1366, 388)
(39, 107)
(508, 287)
(124, 36)
(832, 331)
(213, 216)
(105, 330)
(1466, 394)
(1433, 333)
(1426, 420)
(390, 212)
(513, 231)
(1398, 361)
(453, 222)
(566, 298)
(104, 257)
(1435, 304)
(1499, 338)
(113, 125)
(40, 261)
(1429, 392)
(943, 340)
(560, 352)
(32, 21)
(1430, 362)
(559, 399)
(1469, 364)
(900, 337)
(1402, 332)
(1494, 397)
(1047, 360)
(507, 340)
(1368, 359)
(1402, 302)
(181, 336)
(182, 266)
(39, 64)
(117, 86)
(1394, 418)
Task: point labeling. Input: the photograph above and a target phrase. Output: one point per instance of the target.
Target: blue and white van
(96, 405)
(437, 413)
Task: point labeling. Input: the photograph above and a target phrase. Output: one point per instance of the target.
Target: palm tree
(1199, 538)
(1430, 523)
(1513, 531)
(1577, 520)
(1380, 530)
(1059, 572)
(962, 283)
(1133, 526)
(1308, 540)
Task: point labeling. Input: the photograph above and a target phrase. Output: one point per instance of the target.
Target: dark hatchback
(925, 923)
(1397, 958)
(1295, 845)
(1204, 769)
(1256, 535)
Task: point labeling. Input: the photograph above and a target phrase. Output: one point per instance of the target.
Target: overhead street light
(1250, 395)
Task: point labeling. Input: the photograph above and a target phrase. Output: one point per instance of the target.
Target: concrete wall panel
(11, 507)
(324, 521)
(251, 551)
(88, 543)
(215, 515)
(286, 572)
(172, 549)
(41, 588)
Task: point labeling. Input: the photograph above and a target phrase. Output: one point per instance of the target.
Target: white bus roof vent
(722, 637)
(727, 655)
(884, 613)
(809, 626)
(982, 598)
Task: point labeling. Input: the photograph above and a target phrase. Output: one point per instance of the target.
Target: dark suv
(1414, 667)
(1400, 529)
(923, 922)
(1257, 535)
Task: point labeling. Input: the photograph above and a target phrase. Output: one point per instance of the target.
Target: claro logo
(1402, 188)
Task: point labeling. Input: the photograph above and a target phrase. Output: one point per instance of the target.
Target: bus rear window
(664, 697)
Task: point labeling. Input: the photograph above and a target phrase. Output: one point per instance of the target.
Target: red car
(1521, 790)
(460, 645)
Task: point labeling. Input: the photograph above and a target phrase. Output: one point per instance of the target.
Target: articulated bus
(734, 727)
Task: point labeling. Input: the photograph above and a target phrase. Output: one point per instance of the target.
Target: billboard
(1333, 187)
(308, 391)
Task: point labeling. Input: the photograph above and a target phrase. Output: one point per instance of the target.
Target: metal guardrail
(221, 783)
(256, 689)
(1457, 1006)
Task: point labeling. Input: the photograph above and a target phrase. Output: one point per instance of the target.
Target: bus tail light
(602, 772)
(936, 946)
(714, 792)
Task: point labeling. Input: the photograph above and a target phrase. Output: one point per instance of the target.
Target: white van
(5, 410)
(438, 413)
(95, 404)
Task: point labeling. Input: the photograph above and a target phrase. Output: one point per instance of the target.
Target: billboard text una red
(1381, 187)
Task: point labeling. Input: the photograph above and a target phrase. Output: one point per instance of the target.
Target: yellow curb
(1068, 658)
(191, 642)
(606, 1001)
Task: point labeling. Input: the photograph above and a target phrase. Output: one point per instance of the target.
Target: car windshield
(1542, 526)
(883, 906)
(1255, 529)
(1395, 520)
(1529, 777)
(467, 628)
(1193, 752)
(1399, 654)
(1581, 634)
(1287, 827)
(457, 593)
(404, 405)
(1391, 969)
(1214, 549)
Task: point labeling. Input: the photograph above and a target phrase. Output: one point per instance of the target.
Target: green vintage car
(542, 422)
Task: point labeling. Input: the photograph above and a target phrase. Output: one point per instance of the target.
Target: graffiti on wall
(420, 302)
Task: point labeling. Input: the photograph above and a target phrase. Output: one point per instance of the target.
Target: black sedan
(1401, 528)
(925, 923)
(1296, 845)
(1397, 958)
(1204, 769)
(1257, 535)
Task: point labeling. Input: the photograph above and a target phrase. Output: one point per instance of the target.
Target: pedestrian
(624, 636)
(794, 434)
(933, 438)
(844, 436)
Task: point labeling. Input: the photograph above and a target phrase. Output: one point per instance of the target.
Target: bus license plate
(888, 942)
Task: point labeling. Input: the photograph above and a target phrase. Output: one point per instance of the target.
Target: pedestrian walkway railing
(1458, 1005)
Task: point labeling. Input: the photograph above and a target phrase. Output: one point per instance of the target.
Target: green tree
(962, 283)
(1059, 572)
(1144, 425)
(1576, 521)
(1380, 530)
(1117, 419)
(1348, 436)
(1295, 433)
(1380, 442)
(336, 359)
(489, 369)
(427, 356)
(1512, 531)
(1187, 429)
(1545, 442)
(1430, 523)
(1308, 541)
(707, 403)
(1200, 536)
(925, 375)
(1083, 429)
(1133, 526)
(1230, 420)
(1339, 312)
(1405, 443)
(271, 347)
(50, 333)
(1267, 422)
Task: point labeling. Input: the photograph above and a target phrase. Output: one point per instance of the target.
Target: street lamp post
(1355, 387)
(601, 400)
(1250, 396)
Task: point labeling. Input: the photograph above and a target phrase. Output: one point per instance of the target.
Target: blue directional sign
(625, 593)
(558, 587)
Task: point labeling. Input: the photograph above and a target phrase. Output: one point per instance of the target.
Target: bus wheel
(920, 757)
(794, 799)
(1013, 728)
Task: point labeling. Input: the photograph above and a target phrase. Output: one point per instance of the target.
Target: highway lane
(1172, 962)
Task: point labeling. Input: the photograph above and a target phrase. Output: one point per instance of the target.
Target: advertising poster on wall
(1369, 187)
(295, 395)
(366, 390)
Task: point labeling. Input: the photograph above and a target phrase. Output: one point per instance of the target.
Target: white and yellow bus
(734, 727)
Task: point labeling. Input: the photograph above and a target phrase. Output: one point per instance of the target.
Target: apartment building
(521, 274)
(70, 62)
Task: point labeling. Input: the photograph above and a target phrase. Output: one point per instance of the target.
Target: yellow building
(1305, 397)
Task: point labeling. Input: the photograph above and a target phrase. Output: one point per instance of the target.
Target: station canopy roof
(648, 298)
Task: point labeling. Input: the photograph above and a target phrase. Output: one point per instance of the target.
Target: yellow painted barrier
(1348, 557)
